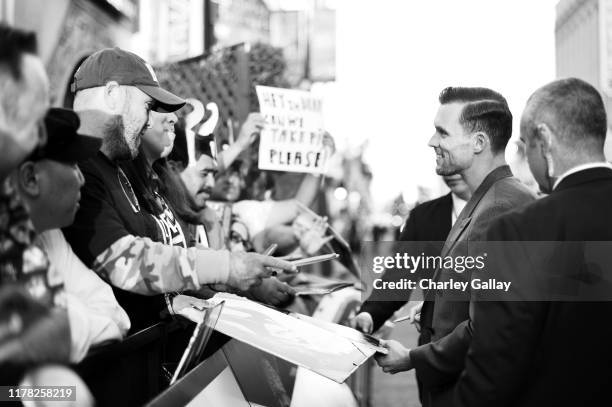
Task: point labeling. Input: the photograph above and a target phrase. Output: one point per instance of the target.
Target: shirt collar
(579, 168)
(458, 205)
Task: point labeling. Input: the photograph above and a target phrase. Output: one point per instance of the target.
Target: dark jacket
(438, 363)
(549, 353)
(427, 222)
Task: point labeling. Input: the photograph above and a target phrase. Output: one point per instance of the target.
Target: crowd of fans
(116, 215)
(106, 224)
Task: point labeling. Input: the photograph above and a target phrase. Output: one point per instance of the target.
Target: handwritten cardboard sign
(292, 139)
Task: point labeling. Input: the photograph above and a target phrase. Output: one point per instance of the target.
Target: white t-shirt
(93, 311)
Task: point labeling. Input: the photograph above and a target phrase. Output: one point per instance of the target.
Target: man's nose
(434, 141)
(80, 176)
(210, 180)
(172, 119)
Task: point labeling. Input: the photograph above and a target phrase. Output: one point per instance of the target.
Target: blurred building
(236, 21)
(583, 36)
(169, 30)
(70, 30)
(304, 29)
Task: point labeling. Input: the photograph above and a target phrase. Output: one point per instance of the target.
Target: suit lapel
(455, 234)
(465, 217)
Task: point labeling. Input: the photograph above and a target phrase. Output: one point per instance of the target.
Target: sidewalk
(398, 390)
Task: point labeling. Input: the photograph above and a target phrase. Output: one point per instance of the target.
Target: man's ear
(28, 179)
(545, 135)
(481, 141)
(114, 96)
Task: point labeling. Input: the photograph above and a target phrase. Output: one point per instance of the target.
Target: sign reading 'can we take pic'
(292, 137)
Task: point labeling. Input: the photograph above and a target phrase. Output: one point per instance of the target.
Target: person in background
(199, 178)
(34, 327)
(115, 91)
(201, 219)
(229, 185)
(153, 183)
(472, 129)
(428, 222)
(536, 353)
(24, 97)
(270, 222)
(49, 181)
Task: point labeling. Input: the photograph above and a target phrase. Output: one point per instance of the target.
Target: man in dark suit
(428, 222)
(551, 353)
(473, 126)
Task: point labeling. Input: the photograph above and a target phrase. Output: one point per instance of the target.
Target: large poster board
(312, 345)
(292, 138)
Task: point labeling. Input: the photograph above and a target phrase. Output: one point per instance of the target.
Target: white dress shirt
(458, 205)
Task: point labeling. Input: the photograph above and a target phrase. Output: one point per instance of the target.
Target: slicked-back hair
(485, 110)
(576, 109)
(13, 44)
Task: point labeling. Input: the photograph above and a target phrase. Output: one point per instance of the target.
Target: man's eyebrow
(440, 130)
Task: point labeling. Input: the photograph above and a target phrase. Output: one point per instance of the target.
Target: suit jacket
(439, 362)
(428, 222)
(545, 353)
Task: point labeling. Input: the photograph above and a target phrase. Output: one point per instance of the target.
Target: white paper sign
(292, 139)
(305, 342)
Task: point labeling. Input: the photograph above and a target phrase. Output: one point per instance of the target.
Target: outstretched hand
(397, 360)
(249, 269)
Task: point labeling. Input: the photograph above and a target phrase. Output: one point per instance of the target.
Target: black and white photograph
(305, 203)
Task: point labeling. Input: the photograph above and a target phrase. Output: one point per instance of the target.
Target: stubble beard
(114, 141)
(445, 169)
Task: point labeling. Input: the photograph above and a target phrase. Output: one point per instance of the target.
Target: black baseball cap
(125, 68)
(64, 144)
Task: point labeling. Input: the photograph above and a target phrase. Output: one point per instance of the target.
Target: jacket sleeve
(439, 363)
(142, 266)
(383, 310)
(101, 239)
(504, 333)
(93, 312)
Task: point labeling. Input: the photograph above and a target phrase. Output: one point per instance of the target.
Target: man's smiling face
(452, 144)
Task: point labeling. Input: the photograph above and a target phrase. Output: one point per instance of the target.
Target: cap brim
(166, 102)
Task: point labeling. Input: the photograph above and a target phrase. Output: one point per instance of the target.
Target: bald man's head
(563, 126)
(572, 109)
